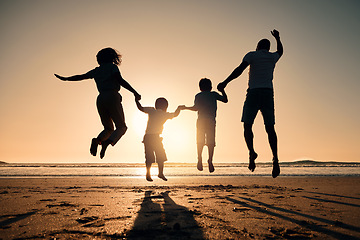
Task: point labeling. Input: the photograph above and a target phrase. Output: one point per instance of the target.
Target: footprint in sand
(87, 219)
(62, 204)
(293, 233)
(240, 209)
(47, 200)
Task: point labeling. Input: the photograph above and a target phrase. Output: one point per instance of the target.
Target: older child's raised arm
(224, 96)
(193, 108)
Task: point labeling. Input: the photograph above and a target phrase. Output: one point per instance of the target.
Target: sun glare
(179, 140)
(178, 137)
(139, 122)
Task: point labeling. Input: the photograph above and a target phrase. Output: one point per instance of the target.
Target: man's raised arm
(280, 49)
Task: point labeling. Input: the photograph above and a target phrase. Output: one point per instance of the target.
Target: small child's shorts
(154, 147)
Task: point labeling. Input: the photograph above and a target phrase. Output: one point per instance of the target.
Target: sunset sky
(167, 47)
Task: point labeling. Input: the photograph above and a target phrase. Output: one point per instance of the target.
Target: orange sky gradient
(167, 47)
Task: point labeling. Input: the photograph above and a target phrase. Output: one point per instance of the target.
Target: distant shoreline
(170, 164)
(129, 170)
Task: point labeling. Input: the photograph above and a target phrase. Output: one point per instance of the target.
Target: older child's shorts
(154, 147)
(259, 99)
(205, 132)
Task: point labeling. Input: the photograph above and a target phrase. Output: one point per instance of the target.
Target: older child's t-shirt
(206, 104)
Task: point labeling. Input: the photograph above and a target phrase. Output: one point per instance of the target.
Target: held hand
(275, 33)
(137, 97)
(181, 107)
(60, 77)
(221, 86)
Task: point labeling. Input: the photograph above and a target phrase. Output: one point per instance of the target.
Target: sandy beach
(182, 208)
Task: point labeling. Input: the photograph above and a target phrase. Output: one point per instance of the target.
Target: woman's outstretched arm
(72, 78)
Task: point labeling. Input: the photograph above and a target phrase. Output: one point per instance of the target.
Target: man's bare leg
(249, 139)
(270, 129)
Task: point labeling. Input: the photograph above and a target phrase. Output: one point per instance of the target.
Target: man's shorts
(205, 132)
(154, 147)
(259, 99)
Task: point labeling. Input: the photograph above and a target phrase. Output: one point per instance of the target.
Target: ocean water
(298, 168)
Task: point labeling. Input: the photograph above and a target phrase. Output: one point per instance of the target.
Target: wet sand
(182, 208)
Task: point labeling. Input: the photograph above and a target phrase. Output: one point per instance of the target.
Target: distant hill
(1, 162)
(318, 163)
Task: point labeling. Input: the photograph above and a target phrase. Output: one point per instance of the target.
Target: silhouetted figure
(260, 95)
(108, 81)
(152, 140)
(206, 105)
(148, 221)
(161, 218)
(181, 219)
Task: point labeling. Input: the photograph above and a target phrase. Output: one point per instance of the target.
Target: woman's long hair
(108, 55)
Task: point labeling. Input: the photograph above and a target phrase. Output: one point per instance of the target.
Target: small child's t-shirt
(104, 76)
(206, 104)
(157, 118)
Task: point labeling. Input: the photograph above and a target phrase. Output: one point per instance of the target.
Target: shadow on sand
(324, 226)
(161, 218)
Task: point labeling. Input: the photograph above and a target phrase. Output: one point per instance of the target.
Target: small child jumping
(206, 105)
(108, 81)
(152, 140)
